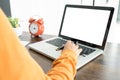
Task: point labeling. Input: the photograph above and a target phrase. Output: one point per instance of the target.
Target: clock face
(33, 28)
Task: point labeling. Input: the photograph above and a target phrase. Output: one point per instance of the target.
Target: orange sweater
(17, 64)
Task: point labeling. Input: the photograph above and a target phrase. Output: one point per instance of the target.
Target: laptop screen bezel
(111, 9)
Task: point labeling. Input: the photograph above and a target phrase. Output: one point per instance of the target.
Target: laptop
(86, 25)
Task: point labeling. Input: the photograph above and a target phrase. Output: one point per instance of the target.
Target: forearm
(64, 68)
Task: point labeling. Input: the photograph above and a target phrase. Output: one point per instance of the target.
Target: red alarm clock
(36, 27)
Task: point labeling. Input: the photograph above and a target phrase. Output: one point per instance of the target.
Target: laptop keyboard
(86, 50)
(59, 42)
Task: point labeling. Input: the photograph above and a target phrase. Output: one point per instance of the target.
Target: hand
(71, 46)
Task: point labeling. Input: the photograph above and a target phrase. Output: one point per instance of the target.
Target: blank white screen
(85, 24)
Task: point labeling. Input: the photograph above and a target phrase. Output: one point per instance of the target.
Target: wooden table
(104, 67)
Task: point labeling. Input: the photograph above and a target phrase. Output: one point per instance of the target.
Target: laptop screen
(88, 24)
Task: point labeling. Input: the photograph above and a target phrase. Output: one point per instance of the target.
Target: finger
(69, 41)
(77, 46)
(72, 42)
(80, 50)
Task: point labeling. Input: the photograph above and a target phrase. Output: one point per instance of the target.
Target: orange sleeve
(17, 64)
(64, 68)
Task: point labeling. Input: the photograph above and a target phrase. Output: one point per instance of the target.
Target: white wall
(87, 2)
(51, 12)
